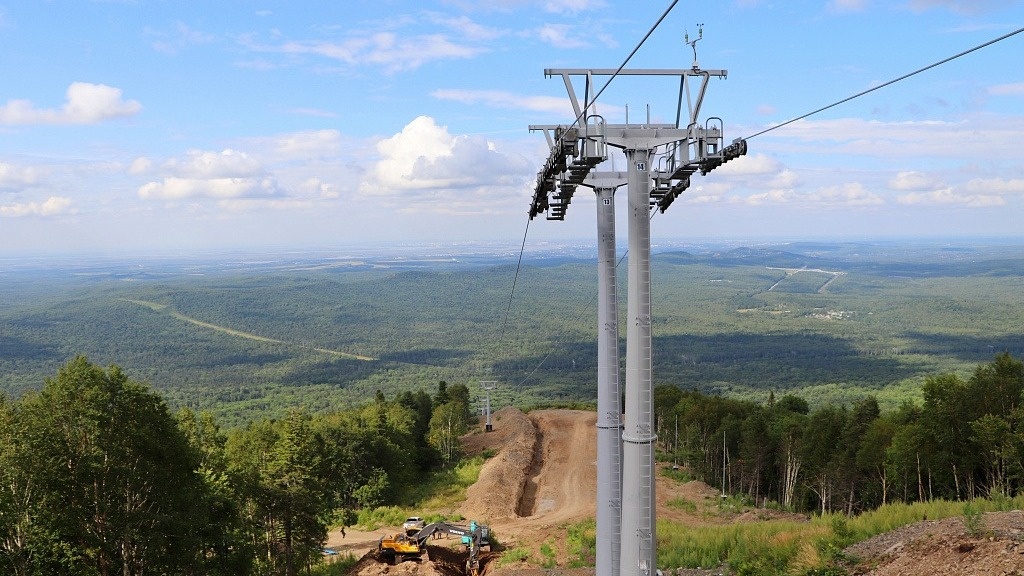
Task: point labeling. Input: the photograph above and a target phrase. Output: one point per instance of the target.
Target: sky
(182, 127)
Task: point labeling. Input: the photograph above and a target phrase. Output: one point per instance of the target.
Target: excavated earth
(542, 477)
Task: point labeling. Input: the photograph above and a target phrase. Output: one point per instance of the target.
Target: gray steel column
(638, 515)
(609, 406)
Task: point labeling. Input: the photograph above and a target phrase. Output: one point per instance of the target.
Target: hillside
(244, 338)
(541, 480)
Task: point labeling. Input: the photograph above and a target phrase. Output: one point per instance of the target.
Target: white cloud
(1016, 89)
(174, 188)
(53, 206)
(251, 204)
(502, 99)
(984, 136)
(85, 103)
(179, 38)
(424, 163)
(755, 164)
(206, 174)
(467, 28)
(958, 6)
(912, 180)
(948, 196)
(995, 186)
(318, 188)
(561, 36)
(306, 144)
(847, 5)
(784, 179)
(849, 194)
(387, 49)
(13, 177)
(200, 164)
(571, 6)
(772, 197)
(140, 165)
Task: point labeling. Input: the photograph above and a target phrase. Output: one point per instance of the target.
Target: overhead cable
(890, 82)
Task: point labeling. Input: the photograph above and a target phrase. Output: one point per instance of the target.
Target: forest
(965, 440)
(833, 322)
(98, 477)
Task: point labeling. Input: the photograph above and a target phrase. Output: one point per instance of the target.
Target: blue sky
(197, 126)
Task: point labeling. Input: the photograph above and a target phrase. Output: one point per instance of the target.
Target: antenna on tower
(693, 43)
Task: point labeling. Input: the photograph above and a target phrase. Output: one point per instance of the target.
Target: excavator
(403, 546)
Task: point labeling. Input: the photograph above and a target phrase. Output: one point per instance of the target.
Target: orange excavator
(405, 546)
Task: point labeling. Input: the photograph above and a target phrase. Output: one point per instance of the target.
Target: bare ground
(944, 547)
(542, 478)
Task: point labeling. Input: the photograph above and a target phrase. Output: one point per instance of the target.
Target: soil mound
(944, 547)
(499, 489)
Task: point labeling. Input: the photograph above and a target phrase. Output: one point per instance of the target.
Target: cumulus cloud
(206, 174)
(205, 164)
(14, 177)
(140, 165)
(849, 194)
(52, 206)
(425, 163)
(948, 196)
(502, 99)
(174, 188)
(772, 197)
(755, 164)
(85, 103)
(911, 180)
(393, 52)
(561, 36)
(995, 186)
(306, 144)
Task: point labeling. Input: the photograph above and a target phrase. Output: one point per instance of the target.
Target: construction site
(541, 479)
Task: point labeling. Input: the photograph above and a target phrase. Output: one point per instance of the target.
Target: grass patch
(581, 544)
(374, 518)
(733, 504)
(547, 551)
(442, 490)
(518, 554)
(683, 504)
(336, 567)
(678, 474)
(446, 489)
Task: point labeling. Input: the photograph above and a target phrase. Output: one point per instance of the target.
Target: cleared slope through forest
(165, 309)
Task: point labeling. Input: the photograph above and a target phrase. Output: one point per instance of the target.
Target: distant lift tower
(487, 386)
(660, 160)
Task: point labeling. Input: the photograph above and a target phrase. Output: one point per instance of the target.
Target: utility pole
(678, 150)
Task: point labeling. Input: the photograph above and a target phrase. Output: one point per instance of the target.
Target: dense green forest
(965, 440)
(97, 477)
(833, 322)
